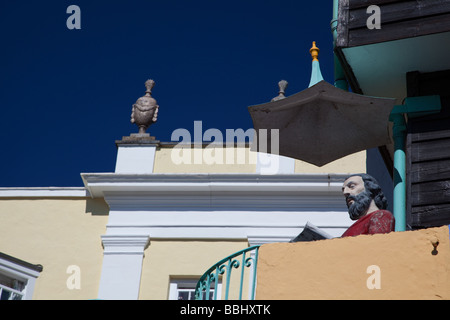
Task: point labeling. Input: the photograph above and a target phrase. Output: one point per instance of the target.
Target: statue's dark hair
(372, 186)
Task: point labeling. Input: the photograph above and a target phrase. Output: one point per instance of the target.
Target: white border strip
(44, 192)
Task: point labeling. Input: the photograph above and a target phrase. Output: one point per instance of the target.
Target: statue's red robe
(380, 221)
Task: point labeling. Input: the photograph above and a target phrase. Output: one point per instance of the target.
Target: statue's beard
(360, 205)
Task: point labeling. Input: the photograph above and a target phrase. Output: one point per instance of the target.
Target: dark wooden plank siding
(430, 192)
(400, 30)
(355, 4)
(431, 170)
(428, 154)
(397, 12)
(399, 20)
(430, 216)
(427, 150)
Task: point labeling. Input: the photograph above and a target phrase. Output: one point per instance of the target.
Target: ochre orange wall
(342, 268)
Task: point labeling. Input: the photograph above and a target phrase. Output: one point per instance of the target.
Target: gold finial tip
(314, 51)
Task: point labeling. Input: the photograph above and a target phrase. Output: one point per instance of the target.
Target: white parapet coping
(44, 192)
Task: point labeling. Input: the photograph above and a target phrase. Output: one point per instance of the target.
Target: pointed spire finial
(314, 52)
(316, 74)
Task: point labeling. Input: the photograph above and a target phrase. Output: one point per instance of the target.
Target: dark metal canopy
(321, 124)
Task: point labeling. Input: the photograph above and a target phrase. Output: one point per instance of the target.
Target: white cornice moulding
(257, 240)
(220, 206)
(101, 184)
(125, 244)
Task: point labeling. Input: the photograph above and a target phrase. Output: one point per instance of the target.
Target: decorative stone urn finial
(149, 84)
(282, 85)
(145, 110)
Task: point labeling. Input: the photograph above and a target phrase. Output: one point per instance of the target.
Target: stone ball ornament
(145, 111)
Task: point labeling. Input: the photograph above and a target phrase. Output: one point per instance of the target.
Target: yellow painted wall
(353, 163)
(240, 160)
(56, 233)
(409, 267)
(204, 160)
(165, 259)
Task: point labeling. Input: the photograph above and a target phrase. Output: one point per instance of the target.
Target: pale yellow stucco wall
(211, 159)
(56, 233)
(167, 259)
(204, 160)
(409, 267)
(353, 163)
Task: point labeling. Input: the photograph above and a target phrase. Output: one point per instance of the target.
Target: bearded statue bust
(145, 110)
(367, 205)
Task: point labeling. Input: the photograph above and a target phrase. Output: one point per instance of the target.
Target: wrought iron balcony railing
(246, 260)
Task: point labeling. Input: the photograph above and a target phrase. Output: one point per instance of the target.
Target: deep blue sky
(66, 95)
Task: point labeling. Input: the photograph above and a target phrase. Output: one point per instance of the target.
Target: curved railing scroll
(246, 258)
